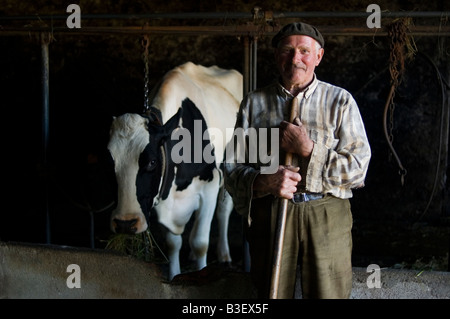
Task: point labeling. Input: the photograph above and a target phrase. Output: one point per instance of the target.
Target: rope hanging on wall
(397, 32)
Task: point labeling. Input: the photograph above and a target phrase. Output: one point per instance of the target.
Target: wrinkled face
(297, 57)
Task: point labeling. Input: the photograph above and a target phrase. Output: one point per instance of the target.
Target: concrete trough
(29, 271)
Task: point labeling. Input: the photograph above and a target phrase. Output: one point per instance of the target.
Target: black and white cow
(162, 160)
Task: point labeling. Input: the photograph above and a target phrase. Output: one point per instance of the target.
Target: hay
(141, 246)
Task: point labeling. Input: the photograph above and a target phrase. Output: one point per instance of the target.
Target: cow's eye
(151, 165)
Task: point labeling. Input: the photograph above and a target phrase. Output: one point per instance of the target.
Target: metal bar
(45, 40)
(235, 15)
(246, 65)
(361, 14)
(156, 16)
(254, 66)
(241, 30)
(91, 229)
(250, 70)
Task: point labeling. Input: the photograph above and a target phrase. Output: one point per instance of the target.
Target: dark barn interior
(58, 186)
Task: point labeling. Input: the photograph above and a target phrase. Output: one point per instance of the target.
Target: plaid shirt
(341, 152)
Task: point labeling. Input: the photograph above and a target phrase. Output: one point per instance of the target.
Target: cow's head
(135, 145)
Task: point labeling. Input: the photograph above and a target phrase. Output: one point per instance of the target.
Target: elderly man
(331, 157)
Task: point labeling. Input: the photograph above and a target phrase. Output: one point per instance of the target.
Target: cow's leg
(174, 243)
(223, 211)
(199, 236)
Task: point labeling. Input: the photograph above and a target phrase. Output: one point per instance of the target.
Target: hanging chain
(145, 42)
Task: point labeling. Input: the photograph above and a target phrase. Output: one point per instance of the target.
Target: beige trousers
(318, 239)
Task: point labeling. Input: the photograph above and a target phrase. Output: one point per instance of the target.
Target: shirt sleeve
(337, 170)
(239, 176)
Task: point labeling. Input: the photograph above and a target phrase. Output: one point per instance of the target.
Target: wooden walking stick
(281, 222)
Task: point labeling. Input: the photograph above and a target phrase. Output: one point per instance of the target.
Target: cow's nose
(125, 226)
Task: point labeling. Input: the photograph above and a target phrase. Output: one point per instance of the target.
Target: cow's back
(228, 79)
(216, 92)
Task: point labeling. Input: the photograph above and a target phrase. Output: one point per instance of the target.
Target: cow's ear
(154, 116)
(160, 133)
(173, 122)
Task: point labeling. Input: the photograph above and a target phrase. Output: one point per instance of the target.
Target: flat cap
(298, 28)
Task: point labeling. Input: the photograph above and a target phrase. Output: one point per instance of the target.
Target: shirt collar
(306, 92)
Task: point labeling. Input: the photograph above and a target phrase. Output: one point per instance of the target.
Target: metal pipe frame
(47, 23)
(222, 30)
(45, 74)
(237, 15)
